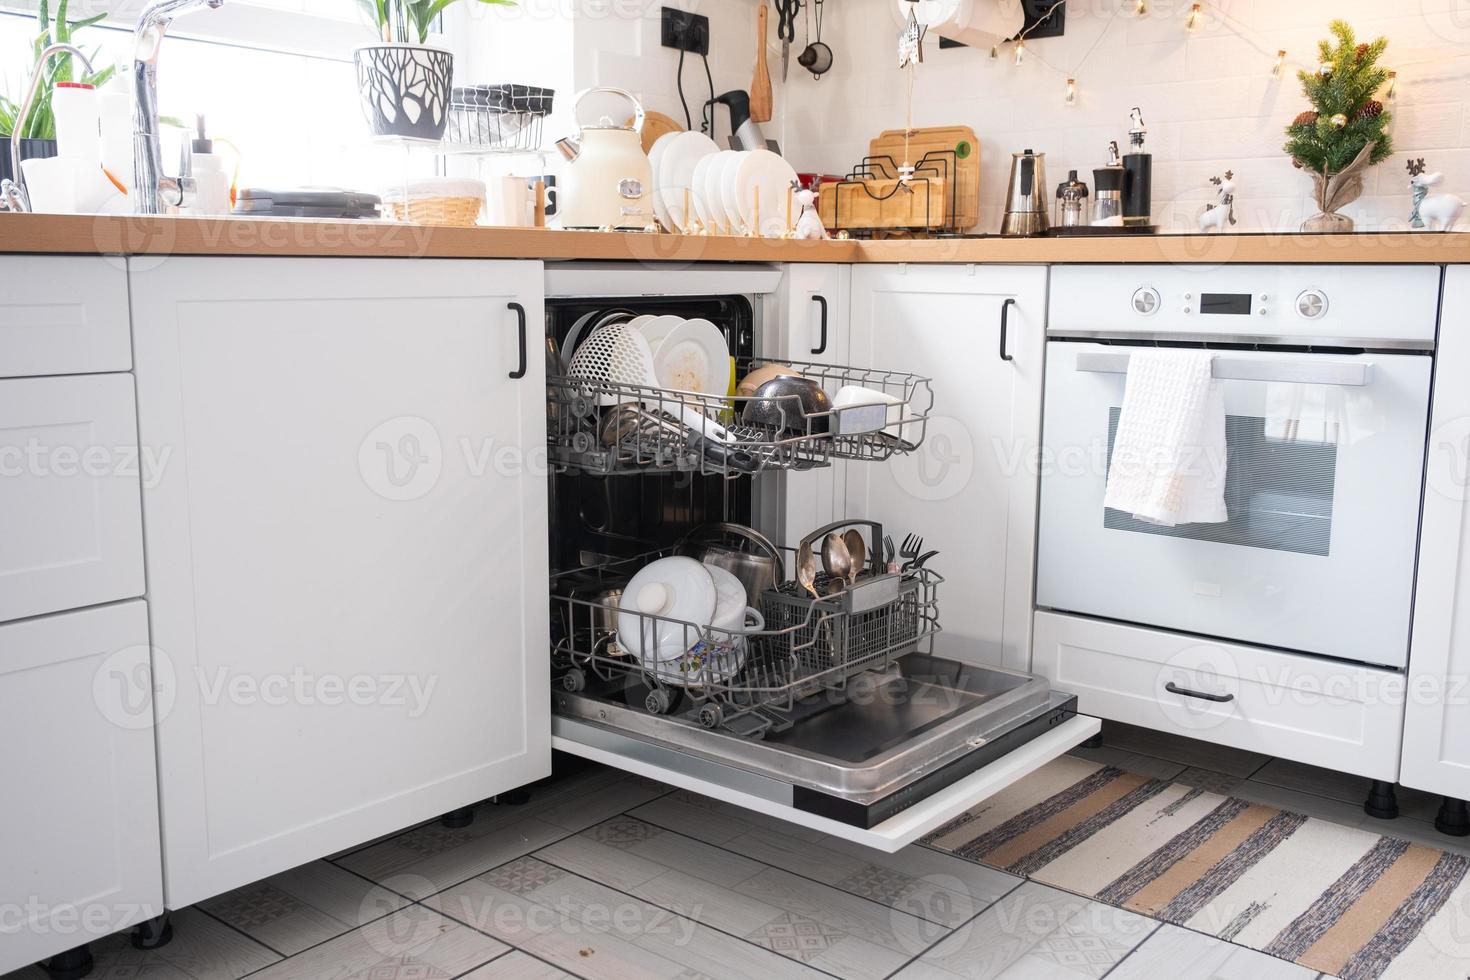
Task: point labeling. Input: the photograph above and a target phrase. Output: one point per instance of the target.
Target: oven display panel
(1230, 304)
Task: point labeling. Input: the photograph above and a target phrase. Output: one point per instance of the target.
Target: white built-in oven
(1326, 375)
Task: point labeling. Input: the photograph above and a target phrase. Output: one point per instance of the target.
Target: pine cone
(1362, 51)
(1372, 109)
(1305, 119)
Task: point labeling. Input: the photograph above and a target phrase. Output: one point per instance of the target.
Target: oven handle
(1308, 369)
(1173, 688)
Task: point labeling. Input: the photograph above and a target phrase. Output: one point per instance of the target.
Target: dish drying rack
(643, 432)
(937, 194)
(757, 682)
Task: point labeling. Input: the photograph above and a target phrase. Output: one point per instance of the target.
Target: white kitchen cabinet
(63, 314)
(971, 489)
(79, 851)
(70, 521)
(812, 315)
(1436, 754)
(346, 553)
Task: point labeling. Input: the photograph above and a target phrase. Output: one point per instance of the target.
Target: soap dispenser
(212, 183)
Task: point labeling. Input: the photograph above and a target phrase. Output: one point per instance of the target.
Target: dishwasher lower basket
(752, 682)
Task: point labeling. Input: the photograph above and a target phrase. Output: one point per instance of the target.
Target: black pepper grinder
(1138, 175)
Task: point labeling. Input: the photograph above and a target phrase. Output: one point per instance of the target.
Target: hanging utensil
(786, 11)
(817, 57)
(760, 83)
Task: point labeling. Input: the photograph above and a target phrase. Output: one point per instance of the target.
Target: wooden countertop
(96, 234)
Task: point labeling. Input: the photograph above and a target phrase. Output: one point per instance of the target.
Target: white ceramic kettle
(608, 182)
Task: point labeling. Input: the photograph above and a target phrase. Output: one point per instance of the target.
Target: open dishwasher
(824, 704)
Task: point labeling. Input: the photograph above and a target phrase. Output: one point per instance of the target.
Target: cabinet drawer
(79, 846)
(70, 517)
(63, 314)
(1321, 712)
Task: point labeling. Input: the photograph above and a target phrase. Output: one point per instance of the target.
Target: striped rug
(1347, 902)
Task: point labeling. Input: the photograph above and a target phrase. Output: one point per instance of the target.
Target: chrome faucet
(152, 191)
(13, 194)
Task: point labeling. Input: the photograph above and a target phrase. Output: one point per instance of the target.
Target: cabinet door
(63, 314)
(70, 525)
(347, 551)
(1437, 710)
(971, 488)
(79, 828)
(811, 318)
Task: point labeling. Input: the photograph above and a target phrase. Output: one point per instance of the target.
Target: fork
(889, 560)
(912, 547)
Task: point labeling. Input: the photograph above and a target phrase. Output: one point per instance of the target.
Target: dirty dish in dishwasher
(664, 609)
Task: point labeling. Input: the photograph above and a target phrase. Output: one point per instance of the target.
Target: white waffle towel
(1168, 462)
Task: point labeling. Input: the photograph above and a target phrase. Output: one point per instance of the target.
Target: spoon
(806, 569)
(857, 553)
(835, 557)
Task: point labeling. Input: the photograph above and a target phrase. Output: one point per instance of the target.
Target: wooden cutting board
(880, 209)
(656, 124)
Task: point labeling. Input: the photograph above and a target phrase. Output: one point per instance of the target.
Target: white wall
(1208, 97)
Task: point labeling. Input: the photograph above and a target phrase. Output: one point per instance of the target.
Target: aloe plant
(57, 30)
(398, 20)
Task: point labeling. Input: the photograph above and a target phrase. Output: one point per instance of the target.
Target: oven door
(1325, 463)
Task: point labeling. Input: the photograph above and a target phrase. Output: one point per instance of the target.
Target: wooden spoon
(760, 85)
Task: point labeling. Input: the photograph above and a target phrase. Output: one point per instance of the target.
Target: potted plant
(405, 85)
(38, 133)
(1346, 130)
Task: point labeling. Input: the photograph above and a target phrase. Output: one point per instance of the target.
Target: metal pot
(742, 551)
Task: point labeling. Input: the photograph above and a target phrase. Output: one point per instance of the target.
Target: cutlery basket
(837, 636)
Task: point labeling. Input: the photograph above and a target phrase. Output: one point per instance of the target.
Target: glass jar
(1071, 202)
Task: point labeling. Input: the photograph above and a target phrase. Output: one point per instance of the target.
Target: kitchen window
(273, 80)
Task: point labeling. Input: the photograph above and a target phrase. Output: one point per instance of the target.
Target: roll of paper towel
(978, 23)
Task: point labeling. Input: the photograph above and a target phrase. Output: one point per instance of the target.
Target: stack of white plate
(688, 355)
(726, 189)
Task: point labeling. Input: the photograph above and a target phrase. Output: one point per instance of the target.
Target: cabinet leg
(155, 933)
(455, 819)
(71, 965)
(1453, 819)
(1383, 802)
(516, 797)
(1093, 743)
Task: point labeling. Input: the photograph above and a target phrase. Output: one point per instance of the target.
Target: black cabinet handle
(821, 347)
(1173, 688)
(1005, 316)
(520, 312)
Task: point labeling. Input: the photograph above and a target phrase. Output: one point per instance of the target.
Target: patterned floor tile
(796, 935)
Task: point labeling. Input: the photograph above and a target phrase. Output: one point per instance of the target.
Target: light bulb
(1071, 96)
(1194, 17)
(1020, 51)
(1393, 84)
(1140, 7)
(1280, 64)
(995, 52)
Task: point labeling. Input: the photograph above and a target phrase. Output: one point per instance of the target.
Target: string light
(995, 52)
(1020, 51)
(1194, 17)
(1280, 64)
(1140, 7)
(1393, 84)
(1071, 97)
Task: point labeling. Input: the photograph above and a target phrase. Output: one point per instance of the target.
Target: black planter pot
(405, 89)
(29, 150)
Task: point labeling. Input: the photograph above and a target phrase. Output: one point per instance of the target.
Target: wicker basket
(438, 201)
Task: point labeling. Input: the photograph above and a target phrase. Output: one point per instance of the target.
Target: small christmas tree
(1345, 131)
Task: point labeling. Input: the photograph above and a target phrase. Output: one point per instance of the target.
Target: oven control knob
(1311, 305)
(1146, 301)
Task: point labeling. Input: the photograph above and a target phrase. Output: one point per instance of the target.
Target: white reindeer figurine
(809, 225)
(1220, 213)
(1437, 212)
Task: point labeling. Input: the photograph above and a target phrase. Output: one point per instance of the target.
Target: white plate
(676, 170)
(694, 357)
(699, 195)
(712, 191)
(774, 176)
(677, 590)
(656, 328)
(729, 198)
(655, 155)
